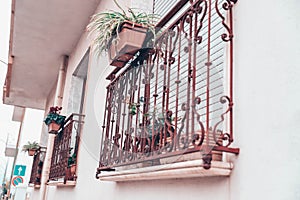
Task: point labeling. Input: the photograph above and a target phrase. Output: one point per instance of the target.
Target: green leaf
(54, 117)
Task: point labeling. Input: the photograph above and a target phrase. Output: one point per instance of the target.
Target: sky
(32, 125)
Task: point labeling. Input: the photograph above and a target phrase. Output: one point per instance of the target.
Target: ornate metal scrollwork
(202, 11)
(178, 77)
(196, 136)
(180, 138)
(223, 136)
(227, 6)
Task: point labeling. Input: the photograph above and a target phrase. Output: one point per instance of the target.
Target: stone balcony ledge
(187, 169)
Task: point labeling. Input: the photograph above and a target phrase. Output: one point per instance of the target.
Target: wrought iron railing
(175, 98)
(65, 149)
(37, 167)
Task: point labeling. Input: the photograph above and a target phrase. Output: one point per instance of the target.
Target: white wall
(267, 109)
(49, 103)
(87, 186)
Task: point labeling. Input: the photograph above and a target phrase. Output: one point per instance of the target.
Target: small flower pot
(31, 152)
(130, 39)
(73, 169)
(53, 127)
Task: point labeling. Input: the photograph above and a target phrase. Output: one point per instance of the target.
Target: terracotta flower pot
(131, 39)
(73, 168)
(53, 127)
(31, 152)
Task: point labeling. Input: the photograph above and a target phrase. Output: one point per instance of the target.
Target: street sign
(20, 170)
(16, 180)
(10, 151)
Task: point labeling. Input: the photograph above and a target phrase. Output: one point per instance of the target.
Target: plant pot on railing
(31, 152)
(70, 173)
(72, 169)
(130, 39)
(31, 148)
(121, 34)
(53, 127)
(54, 120)
(72, 162)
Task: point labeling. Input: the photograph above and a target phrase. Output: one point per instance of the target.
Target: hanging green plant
(31, 145)
(31, 148)
(54, 116)
(72, 159)
(106, 26)
(54, 120)
(133, 108)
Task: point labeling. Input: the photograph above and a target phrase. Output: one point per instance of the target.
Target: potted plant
(54, 120)
(72, 161)
(120, 34)
(31, 148)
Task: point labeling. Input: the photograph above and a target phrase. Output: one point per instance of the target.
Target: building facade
(210, 112)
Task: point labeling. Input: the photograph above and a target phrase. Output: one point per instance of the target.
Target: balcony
(173, 103)
(65, 151)
(37, 167)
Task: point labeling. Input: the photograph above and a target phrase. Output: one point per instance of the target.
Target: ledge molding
(62, 184)
(187, 169)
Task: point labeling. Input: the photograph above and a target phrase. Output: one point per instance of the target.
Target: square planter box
(73, 169)
(53, 127)
(131, 39)
(31, 152)
(70, 173)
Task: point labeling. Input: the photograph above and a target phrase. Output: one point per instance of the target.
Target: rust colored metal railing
(65, 149)
(37, 167)
(175, 98)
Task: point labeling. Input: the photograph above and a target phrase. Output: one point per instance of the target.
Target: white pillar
(61, 83)
(46, 166)
(17, 151)
(57, 102)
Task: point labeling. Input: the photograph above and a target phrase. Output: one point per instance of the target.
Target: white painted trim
(186, 169)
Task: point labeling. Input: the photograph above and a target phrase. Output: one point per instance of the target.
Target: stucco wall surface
(266, 111)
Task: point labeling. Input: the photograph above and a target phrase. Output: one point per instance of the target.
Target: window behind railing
(162, 7)
(177, 97)
(63, 151)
